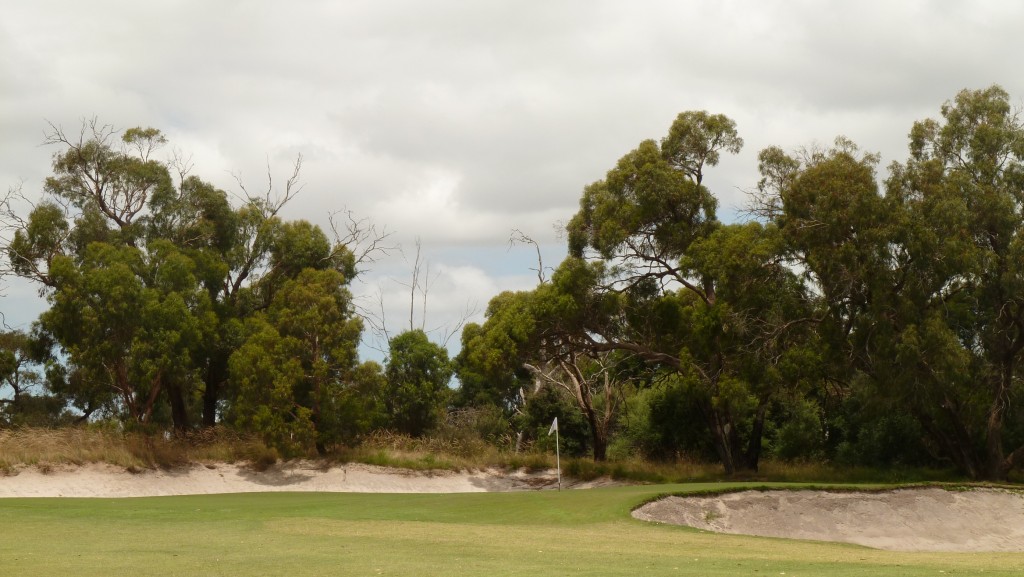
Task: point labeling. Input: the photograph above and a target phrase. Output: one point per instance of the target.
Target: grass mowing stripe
(536, 533)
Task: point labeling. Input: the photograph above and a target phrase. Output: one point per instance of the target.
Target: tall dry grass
(131, 450)
(449, 450)
(385, 448)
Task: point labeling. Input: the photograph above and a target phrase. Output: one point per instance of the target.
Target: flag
(554, 426)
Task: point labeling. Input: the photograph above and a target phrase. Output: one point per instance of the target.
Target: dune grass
(495, 534)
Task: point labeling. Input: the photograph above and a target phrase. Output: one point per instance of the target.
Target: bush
(677, 425)
(799, 436)
(541, 410)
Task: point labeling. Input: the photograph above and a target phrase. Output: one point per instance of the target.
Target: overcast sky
(457, 121)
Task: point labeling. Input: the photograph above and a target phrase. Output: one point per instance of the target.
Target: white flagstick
(558, 460)
(558, 456)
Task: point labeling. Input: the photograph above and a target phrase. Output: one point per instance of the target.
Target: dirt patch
(929, 519)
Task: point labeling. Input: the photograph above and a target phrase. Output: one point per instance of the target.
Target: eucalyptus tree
(491, 363)
(669, 283)
(416, 390)
(528, 343)
(920, 287)
(151, 272)
(16, 375)
(294, 369)
(23, 397)
(963, 186)
(844, 237)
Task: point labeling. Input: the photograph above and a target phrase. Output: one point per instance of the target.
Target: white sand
(98, 480)
(904, 520)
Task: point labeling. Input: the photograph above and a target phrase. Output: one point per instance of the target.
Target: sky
(456, 122)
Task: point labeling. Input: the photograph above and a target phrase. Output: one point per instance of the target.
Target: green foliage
(855, 323)
(864, 430)
(161, 277)
(541, 410)
(634, 437)
(490, 366)
(132, 322)
(358, 409)
(677, 425)
(24, 401)
(718, 305)
(799, 435)
(295, 370)
(416, 392)
(267, 374)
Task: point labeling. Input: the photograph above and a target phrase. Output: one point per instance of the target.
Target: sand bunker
(108, 481)
(904, 520)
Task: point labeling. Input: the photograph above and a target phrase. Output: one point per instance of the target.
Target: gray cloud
(458, 121)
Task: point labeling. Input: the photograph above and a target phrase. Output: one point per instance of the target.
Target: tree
(490, 365)
(133, 322)
(527, 345)
(15, 372)
(842, 235)
(680, 290)
(417, 374)
(297, 362)
(173, 240)
(23, 400)
(963, 187)
(919, 287)
(593, 384)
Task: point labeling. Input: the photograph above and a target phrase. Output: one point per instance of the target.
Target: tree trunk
(995, 460)
(720, 436)
(752, 457)
(216, 376)
(600, 447)
(316, 417)
(597, 435)
(956, 448)
(179, 410)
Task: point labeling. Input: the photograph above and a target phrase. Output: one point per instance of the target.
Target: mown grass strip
(536, 533)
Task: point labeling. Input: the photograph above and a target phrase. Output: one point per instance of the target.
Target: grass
(46, 448)
(496, 534)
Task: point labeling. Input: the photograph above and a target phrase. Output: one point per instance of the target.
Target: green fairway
(489, 534)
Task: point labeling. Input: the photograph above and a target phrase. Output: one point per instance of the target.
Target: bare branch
(361, 237)
(467, 314)
(377, 322)
(35, 267)
(271, 202)
(181, 164)
(518, 237)
(414, 283)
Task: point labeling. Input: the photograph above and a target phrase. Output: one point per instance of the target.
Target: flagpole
(558, 460)
(558, 453)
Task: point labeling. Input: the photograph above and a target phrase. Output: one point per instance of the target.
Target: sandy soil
(904, 520)
(108, 481)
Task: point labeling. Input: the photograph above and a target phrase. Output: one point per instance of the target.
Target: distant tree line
(850, 319)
